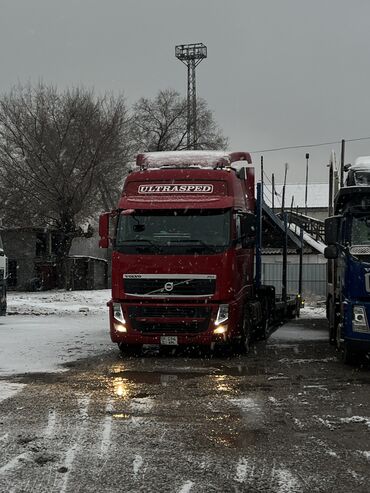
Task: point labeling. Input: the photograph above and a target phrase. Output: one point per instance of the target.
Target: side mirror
(331, 252)
(248, 242)
(242, 173)
(104, 230)
(332, 228)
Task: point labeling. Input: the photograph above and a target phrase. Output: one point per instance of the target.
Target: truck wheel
(349, 356)
(265, 330)
(245, 339)
(130, 349)
(332, 332)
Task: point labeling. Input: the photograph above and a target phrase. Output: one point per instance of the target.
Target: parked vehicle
(347, 235)
(3, 276)
(184, 236)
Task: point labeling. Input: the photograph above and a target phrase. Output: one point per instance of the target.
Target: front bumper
(167, 326)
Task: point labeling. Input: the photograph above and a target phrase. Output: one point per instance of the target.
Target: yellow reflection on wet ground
(117, 368)
(120, 387)
(222, 383)
(121, 416)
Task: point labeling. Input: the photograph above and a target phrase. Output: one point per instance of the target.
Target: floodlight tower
(191, 55)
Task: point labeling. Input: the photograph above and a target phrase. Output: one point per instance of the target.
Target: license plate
(169, 340)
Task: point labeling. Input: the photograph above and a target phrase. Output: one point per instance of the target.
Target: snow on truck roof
(362, 163)
(208, 159)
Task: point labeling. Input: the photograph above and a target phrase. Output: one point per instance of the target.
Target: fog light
(359, 320)
(221, 329)
(120, 327)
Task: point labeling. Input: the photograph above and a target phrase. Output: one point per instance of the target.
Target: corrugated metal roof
(317, 195)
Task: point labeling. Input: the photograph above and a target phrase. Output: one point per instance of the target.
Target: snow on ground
(45, 329)
(313, 311)
(9, 389)
(70, 325)
(294, 332)
(58, 302)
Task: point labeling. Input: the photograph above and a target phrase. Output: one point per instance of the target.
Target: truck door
(244, 256)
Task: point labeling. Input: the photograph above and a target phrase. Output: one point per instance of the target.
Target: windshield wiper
(202, 243)
(142, 240)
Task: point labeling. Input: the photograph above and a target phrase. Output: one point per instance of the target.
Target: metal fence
(313, 278)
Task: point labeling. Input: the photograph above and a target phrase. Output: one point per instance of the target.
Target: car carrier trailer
(187, 253)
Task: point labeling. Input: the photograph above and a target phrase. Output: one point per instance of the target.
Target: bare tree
(159, 124)
(61, 154)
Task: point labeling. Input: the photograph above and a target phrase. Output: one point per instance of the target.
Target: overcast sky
(278, 73)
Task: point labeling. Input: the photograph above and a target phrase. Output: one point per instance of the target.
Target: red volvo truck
(183, 237)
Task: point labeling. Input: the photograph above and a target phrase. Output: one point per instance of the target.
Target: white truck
(3, 276)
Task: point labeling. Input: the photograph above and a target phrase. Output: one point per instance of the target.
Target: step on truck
(3, 276)
(183, 237)
(347, 234)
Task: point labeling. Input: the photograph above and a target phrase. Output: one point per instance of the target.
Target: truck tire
(349, 356)
(265, 330)
(331, 315)
(245, 339)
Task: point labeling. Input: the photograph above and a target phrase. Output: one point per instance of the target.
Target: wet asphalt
(289, 417)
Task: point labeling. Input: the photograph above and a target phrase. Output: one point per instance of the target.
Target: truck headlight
(220, 330)
(359, 320)
(222, 314)
(117, 313)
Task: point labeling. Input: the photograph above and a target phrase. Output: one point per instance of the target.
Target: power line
(321, 144)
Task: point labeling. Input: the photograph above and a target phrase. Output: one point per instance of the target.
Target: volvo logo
(168, 287)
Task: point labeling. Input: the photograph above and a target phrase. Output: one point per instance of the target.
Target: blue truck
(347, 234)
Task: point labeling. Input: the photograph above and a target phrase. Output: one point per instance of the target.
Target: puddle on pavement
(158, 377)
(243, 370)
(153, 377)
(40, 378)
(238, 439)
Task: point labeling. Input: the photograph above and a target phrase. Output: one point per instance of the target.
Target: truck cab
(183, 251)
(348, 251)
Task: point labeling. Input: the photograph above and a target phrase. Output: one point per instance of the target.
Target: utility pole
(305, 196)
(283, 197)
(342, 153)
(191, 55)
(262, 180)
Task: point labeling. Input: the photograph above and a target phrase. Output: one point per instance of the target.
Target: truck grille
(170, 286)
(152, 319)
(362, 252)
(170, 328)
(168, 311)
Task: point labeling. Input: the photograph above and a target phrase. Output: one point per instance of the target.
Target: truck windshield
(174, 232)
(360, 232)
(362, 178)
